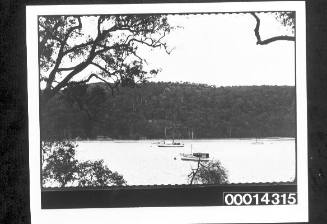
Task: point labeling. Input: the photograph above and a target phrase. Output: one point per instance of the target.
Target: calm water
(142, 162)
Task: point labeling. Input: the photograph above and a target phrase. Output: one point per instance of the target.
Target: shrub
(61, 169)
(211, 172)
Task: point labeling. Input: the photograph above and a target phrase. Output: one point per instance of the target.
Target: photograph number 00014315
(193, 112)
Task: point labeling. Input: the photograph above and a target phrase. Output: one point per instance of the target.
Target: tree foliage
(211, 172)
(60, 168)
(60, 164)
(105, 44)
(97, 174)
(287, 19)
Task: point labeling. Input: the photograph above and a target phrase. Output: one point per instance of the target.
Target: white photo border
(203, 214)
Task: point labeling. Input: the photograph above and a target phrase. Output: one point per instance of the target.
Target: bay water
(144, 163)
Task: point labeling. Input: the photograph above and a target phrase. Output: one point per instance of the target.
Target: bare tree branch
(269, 40)
(65, 69)
(105, 70)
(98, 77)
(195, 172)
(99, 25)
(153, 44)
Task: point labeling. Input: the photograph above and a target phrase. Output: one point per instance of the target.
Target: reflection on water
(143, 163)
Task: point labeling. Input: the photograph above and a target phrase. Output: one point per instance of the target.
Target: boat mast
(173, 133)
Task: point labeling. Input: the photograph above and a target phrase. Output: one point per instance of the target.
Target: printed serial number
(260, 198)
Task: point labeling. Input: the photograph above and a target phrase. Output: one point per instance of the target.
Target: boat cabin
(201, 155)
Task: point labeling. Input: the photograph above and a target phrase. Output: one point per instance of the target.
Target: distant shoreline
(184, 140)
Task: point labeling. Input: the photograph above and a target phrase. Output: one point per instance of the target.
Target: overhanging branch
(110, 74)
(98, 47)
(66, 69)
(269, 40)
(98, 77)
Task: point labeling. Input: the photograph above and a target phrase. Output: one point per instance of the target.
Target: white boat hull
(194, 159)
(170, 145)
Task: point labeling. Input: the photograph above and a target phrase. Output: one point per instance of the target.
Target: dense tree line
(159, 110)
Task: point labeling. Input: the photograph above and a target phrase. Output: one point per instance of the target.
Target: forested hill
(179, 109)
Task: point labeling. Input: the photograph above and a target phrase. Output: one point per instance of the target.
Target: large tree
(105, 47)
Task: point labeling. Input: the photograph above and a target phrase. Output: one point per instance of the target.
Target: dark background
(14, 176)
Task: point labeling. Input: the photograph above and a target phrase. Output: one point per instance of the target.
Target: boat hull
(171, 146)
(204, 157)
(194, 159)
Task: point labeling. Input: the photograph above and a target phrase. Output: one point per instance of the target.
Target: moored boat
(195, 156)
(170, 144)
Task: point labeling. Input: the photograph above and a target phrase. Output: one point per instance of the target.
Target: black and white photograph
(158, 99)
(171, 96)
